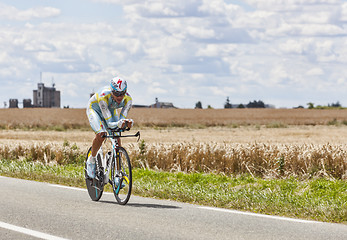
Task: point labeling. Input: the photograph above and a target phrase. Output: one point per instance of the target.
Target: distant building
(27, 103)
(47, 97)
(13, 103)
(158, 104)
(139, 106)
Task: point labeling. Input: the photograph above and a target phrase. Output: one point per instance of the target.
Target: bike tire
(122, 195)
(94, 186)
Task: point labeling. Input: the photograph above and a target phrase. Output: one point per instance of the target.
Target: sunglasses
(118, 94)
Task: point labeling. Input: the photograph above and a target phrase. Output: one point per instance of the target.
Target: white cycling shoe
(91, 168)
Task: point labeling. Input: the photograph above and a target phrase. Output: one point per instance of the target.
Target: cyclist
(102, 113)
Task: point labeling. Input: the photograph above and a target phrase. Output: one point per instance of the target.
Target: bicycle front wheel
(95, 186)
(121, 176)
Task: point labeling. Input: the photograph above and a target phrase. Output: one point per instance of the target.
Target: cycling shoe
(91, 168)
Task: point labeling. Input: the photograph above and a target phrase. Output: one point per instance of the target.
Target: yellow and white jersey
(102, 109)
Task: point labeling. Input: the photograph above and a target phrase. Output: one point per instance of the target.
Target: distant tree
(298, 107)
(337, 104)
(209, 107)
(256, 104)
(228, 104)
(310, 105)
(198, 105)
(241, 106)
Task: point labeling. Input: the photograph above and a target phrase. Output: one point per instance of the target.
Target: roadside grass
(318, 199)
(302, 161)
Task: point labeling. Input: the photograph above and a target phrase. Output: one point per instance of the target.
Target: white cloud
(218, 8)
(157, 90)
(220, 50)
(306, 30)
(278, 74)
(294, 46)
(197, 76)
(288, 5)
(342, 81)
(221, 91)
(343, 12)
(199, 32)
(315, 72)
(183, 48)
(12, 13)
(320, 17)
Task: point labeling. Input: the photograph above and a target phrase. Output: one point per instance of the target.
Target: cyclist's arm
(125, 110)
(123, 114)
(106, 113)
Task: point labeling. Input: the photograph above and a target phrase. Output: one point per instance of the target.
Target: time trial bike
(113, 167)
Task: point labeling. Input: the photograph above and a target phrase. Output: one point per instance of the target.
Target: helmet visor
(118, 93)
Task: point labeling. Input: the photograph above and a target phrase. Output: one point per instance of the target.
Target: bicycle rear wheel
(122, 190)
(95, 186)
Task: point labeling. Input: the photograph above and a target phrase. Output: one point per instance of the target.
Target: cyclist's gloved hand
(130, 123)
(121, 123)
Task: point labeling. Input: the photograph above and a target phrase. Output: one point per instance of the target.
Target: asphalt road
(32, 210)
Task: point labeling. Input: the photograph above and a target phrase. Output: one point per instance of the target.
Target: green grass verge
(315, 199)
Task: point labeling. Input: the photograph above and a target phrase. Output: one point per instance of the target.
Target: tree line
(261, 104)
(254, 104)
(311, 105)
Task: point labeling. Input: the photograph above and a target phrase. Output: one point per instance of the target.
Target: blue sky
(283, 52)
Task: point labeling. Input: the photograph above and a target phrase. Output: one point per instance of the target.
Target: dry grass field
(72, 118)
(261, 142)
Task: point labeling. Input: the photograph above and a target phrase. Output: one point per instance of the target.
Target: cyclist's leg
(98, 126)
(97, 142)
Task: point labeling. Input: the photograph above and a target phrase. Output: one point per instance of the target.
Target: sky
(283, 52)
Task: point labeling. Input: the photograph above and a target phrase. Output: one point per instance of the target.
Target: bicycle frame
(106, 161)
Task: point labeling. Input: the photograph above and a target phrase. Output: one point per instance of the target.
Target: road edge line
(29, 232)
(259, 215)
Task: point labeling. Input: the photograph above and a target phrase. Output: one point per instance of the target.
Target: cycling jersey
(102, 110)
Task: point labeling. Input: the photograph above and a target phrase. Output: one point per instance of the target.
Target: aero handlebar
(120, 130)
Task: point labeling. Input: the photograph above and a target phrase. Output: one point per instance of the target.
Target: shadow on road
(149, 205)
(145, 205)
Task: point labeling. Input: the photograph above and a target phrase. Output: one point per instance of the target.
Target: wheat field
(269, 143)
(37, 117)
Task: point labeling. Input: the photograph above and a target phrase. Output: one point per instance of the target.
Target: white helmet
(118, 86)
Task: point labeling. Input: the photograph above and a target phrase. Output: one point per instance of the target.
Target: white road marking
(259, 215)
(29, 232)
(75, 188)
(72, 188)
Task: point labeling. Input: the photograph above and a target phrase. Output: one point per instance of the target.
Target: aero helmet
(118, 86)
